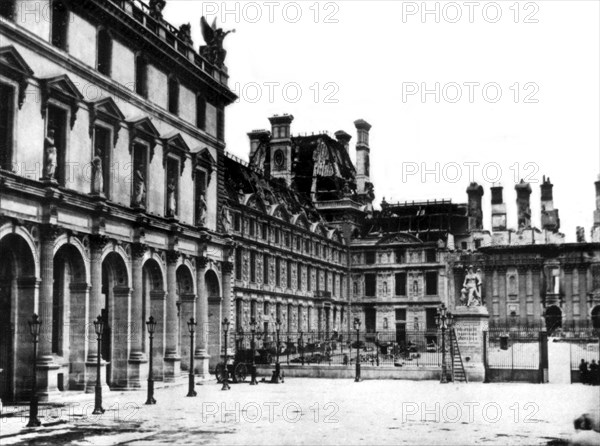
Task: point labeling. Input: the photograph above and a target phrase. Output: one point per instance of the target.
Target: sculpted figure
(202, 207)
(226, 220)
(156, 8)
(49, 156)
(214, 37)
(172, 198)
(139, 186)
(97, 174)
(471, 291)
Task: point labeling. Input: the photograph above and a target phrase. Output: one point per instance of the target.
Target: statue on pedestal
(139, 187)
(471, 290)
(172, 198)
(202, 208)
(49, 156)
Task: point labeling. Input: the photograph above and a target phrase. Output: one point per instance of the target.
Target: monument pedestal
(469, 325)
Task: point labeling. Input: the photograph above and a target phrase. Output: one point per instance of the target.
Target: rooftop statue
(214, 37)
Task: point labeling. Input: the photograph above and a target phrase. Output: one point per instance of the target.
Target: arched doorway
(186, 301)
(69, 296)
(596, 317)
(17, 285)
(213, 293)
(115, 298)
(154, 302)
(553, 319)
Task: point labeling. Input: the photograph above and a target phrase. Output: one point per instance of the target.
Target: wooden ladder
(457, 366)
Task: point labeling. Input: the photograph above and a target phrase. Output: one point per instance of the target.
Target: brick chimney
(475, 213)
(498, 209)
(550, 220)
(344, 139)
(523, 207)
(281, 147)
(363, 163)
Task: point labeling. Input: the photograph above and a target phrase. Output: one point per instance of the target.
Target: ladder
(457, 367)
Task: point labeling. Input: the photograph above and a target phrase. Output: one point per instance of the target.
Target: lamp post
(357, 328)
(151, 326)
(226, 385)
(34, 328)
(277, 371)
(443, 319)
(253, 381)
(191, 324)
(99, 327)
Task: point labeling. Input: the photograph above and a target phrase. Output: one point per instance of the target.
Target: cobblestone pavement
(318, 411)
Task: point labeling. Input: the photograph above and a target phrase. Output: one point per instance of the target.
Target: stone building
(111, 180)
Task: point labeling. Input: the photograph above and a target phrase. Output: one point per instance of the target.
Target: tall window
(431, 256)
(326, 280)
(103, 149)
(309, 278)
(173, 95)
(7, 9)
(400, 255)
(400, 284)
(201, 112)
(299, 276)
(431, 283)
(264, 231)
(141, 75)
(370, 284)
(60, 24)
(251, 228)
(6, 125)
(220, 123)
(57, 121)
(288, 274)
(370, 258)
(266, 269)
(104, 52)
(238, 264)
(278, 272)
(252, 266)
(318, 277)
(333, 279)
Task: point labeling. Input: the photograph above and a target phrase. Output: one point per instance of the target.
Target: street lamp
(151, 326)
(253, 381)
(357, 328)
(99, 328)
(226, 386)
(443, 319)
(277, 372)
(34, 328)
(191, 324)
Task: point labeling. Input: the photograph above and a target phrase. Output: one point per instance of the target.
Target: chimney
(344, 139)
(281, 147)
(498, 209)
(550, 220)
(363, 164)
(256, 137)
(523, 209)
(475, 213)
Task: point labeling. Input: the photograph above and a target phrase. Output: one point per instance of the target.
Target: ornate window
(370, 285)
(431, 283)
(400, 284)
(204, 164)
(175, 152)
(266, 269)
(143, 136)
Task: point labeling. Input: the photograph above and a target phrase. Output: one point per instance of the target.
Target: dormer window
(104, 63)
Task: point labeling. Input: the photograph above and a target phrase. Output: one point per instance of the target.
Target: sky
(455, 91)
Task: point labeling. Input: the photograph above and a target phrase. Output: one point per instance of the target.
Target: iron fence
(513, 348)
(583, 347)
(383, 348)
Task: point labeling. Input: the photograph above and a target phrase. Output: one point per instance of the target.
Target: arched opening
(186, 301)
(69, 295)
(596, 317)
(213, 293)
(154, 301)
(17, 284)
(115, 297)
(553, 319)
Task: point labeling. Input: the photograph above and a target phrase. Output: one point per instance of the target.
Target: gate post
(485, 357)
(543, 370)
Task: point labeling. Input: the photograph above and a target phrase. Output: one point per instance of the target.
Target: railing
(513, 349)
(407, 349)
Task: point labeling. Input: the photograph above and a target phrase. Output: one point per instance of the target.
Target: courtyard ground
(318, 411)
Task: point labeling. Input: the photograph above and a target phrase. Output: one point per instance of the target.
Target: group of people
(589, 372)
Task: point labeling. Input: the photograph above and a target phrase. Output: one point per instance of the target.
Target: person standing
(583, 372)
(593, 374)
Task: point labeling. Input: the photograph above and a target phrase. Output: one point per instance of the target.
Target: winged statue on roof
(213, 51)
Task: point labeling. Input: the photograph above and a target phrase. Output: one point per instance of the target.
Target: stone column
(136, 326)
(157, 309)
(47, 379)
(227, 269)
(97, 244)
(502, 294)
(77, 335)
(172, 358)
(201, 355)
(537, 299)
(522, 281)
